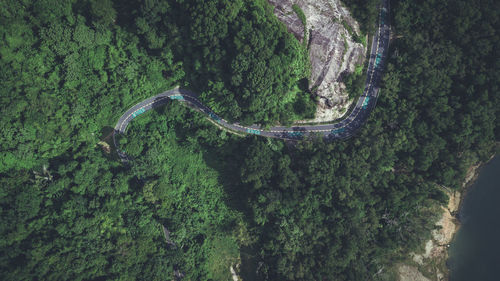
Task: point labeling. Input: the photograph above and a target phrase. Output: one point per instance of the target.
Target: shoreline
(433, 261)
(469, 182)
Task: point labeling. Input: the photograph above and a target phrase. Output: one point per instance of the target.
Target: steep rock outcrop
(332, 50)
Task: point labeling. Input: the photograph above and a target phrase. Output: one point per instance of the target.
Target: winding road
(341, 129)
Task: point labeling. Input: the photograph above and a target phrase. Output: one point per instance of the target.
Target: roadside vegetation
(298, 11)
(304, 211)
(237, 54)
(357, 38)
(355, 81)
(366, 14)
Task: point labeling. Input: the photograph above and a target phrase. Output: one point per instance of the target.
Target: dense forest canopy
(296, 211)
(236, 53)
(365, 12)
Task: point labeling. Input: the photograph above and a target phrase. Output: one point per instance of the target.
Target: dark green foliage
(306, 211)
(236, 54)
(186, 193)
(355, 82)
(446, 81)
(65, 77)
(77, 219)
(365, 12)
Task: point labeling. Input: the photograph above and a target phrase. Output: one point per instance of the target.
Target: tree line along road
(337, 130)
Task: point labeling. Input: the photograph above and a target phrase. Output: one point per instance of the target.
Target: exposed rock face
(332, 51)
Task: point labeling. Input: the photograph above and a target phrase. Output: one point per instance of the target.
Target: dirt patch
(332, 49)
(410, 273)
(105, 147)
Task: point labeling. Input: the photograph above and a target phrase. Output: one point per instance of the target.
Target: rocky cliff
(329, 34)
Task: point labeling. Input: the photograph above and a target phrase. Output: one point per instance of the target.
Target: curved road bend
(341, 129)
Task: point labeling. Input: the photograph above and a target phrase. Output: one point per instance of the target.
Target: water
(475, 252)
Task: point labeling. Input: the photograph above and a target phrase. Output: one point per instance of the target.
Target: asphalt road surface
(341, 129)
